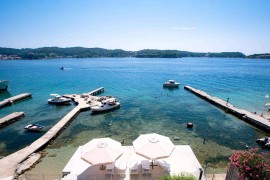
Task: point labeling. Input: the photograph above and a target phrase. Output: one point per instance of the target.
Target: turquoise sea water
(145, 106)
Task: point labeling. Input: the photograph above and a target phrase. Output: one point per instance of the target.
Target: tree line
(81, 52)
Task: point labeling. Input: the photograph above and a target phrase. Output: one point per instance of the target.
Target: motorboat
(59, 100)
(34, 127)
(264, 141)
(106, 105)
(3, 85)
(171, 83)
(62, 68)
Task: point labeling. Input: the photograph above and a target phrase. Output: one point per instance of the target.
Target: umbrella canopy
(153, 146)
(101, 151)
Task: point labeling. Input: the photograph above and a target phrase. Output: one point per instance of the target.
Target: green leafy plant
(177, 177)
(251, 164)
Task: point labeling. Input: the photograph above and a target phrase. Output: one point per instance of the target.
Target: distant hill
(56, 52)
(81, 52)
(259, 56)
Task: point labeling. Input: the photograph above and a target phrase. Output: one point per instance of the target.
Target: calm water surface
(145, 106)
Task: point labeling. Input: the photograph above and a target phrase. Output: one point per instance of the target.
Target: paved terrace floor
(182, 160)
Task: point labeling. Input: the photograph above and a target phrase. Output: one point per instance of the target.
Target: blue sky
(192, 25)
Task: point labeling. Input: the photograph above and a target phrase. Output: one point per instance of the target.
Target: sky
(189, 25)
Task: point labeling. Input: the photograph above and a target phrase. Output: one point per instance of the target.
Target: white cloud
(182, 28)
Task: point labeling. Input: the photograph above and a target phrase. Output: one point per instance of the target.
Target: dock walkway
(9, 163)
(247, 116)
(97, 91)
(11, 118)
(14, 99)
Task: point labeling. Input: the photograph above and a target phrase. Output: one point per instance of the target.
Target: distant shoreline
(81, 52)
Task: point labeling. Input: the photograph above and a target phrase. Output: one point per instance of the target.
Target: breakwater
(245, 115)
(14, 99)
(13, 117)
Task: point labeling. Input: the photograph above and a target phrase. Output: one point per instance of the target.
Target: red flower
(251, 164)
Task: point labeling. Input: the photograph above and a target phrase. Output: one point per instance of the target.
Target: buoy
(189, 125)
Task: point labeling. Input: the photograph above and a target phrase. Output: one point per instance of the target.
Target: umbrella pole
(152, 164)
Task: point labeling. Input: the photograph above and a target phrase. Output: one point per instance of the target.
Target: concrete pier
(97, 91)
(13, 117)
(245, 115)
(9, 163)
(14, 99)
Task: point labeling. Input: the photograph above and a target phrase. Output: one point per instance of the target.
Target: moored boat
(106, 105)
(3, 85)
(171, 83)
(59, 100)
(34, 127)
(264, 141)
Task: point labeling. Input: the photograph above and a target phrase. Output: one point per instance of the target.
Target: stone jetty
(15, 99)
(13, 117)
(245, 115)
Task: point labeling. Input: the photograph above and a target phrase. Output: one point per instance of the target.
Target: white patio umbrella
(153, 146)
(101, 151)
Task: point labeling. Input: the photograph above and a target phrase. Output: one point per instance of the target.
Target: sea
(146, 107)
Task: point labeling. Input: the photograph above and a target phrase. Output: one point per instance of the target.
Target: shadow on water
(4, 95)
(171, 88)
(94, 113)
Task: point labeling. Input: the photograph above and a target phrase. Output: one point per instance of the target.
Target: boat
(62, 68)
(59, 100)
(3, 85)
(106, 105)
(267, 145)
(264, 141)
(171, 83)
(34, 127)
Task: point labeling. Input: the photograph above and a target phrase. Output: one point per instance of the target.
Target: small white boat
(171, 83)
(59, 100)
(3, 85)
(34, 127)
(106, 105)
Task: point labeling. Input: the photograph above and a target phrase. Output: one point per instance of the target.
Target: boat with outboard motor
(59, 100)
(34, 127)
(105, 105)
(171, 83)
